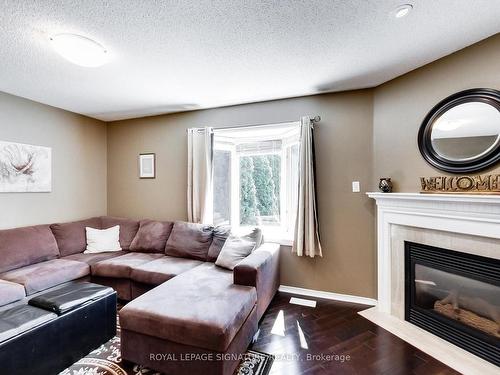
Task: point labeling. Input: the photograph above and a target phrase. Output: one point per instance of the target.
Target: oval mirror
(462, 132)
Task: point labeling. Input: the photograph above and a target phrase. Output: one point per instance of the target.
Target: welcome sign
(487, 184)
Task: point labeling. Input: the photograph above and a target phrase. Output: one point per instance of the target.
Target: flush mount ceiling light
(402, 10)
(80, 50)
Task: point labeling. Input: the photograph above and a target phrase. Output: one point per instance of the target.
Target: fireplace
(461, 222)
(455, 296)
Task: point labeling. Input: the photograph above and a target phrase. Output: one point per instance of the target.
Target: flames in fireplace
(463, 299)
(456, 296)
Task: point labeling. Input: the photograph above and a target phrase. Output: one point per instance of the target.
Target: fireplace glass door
(455, 296)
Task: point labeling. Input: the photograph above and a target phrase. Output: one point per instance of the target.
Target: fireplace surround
(464, 223)
(455, 296)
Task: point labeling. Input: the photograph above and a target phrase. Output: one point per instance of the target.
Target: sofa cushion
(128, 229)
(10, 292)
(189, 240)
(47, 274)
(221, 233)
(71, 237)
(160, 270)
(21, 247)
(201, 307)
(94, 258)
(151, 236)
(122, 266)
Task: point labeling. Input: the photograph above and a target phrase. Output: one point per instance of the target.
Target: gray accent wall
(400, 106)
(78, 163)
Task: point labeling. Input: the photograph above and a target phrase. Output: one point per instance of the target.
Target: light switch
(355, 187)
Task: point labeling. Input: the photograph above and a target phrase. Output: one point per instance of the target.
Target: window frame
(283, 233)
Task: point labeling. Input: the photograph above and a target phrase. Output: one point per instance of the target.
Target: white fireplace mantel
(477, 215)
(455, 214)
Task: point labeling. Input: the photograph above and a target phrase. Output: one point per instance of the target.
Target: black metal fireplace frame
(463, 264)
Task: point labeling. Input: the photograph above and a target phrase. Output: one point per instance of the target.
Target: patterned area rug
(106, 360)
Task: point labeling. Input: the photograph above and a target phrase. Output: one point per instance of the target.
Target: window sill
(278, 240)
(270, 234)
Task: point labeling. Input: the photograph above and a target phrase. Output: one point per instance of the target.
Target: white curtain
(200, 173)
(306, 237)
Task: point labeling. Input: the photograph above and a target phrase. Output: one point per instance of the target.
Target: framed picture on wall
(147, 165)
(25, 168)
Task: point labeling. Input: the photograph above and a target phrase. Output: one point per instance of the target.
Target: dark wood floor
(355, 345)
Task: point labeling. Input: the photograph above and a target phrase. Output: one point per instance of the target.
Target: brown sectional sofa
(181, 302)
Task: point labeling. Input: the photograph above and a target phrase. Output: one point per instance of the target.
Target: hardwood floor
(333, 339)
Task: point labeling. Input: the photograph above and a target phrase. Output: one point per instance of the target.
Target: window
(256, 178)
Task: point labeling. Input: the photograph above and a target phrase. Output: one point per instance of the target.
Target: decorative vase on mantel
(385, 185)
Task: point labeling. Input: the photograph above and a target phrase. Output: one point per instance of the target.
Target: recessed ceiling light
(402, 10)
(80, 50)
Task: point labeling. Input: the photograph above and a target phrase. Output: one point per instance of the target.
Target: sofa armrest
(260, 270)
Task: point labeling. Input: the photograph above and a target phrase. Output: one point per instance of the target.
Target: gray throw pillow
(237, 248)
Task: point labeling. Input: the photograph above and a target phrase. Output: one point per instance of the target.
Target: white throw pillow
(102, 240)
(237, 248)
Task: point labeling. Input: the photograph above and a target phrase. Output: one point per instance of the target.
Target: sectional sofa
(185, 315)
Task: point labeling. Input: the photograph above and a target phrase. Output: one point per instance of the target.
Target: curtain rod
(314, 119)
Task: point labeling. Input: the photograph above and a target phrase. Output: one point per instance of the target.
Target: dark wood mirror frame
(488, 96)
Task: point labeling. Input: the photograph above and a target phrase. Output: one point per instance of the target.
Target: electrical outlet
(355, 187)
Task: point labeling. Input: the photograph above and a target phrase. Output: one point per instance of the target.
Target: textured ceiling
(170, 56)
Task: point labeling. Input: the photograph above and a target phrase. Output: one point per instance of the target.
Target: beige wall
(363, 135)
(344, 153)
(401, 104)
(78, 163)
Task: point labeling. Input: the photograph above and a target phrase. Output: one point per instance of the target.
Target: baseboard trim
(327, 295)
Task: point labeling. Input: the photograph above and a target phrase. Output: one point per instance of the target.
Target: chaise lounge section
(200, 311)
(205, 312)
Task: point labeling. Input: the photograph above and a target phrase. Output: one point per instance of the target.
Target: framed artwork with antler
(25, 168)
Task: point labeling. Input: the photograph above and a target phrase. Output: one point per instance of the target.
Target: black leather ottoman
(56, 329)
(22, 318)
